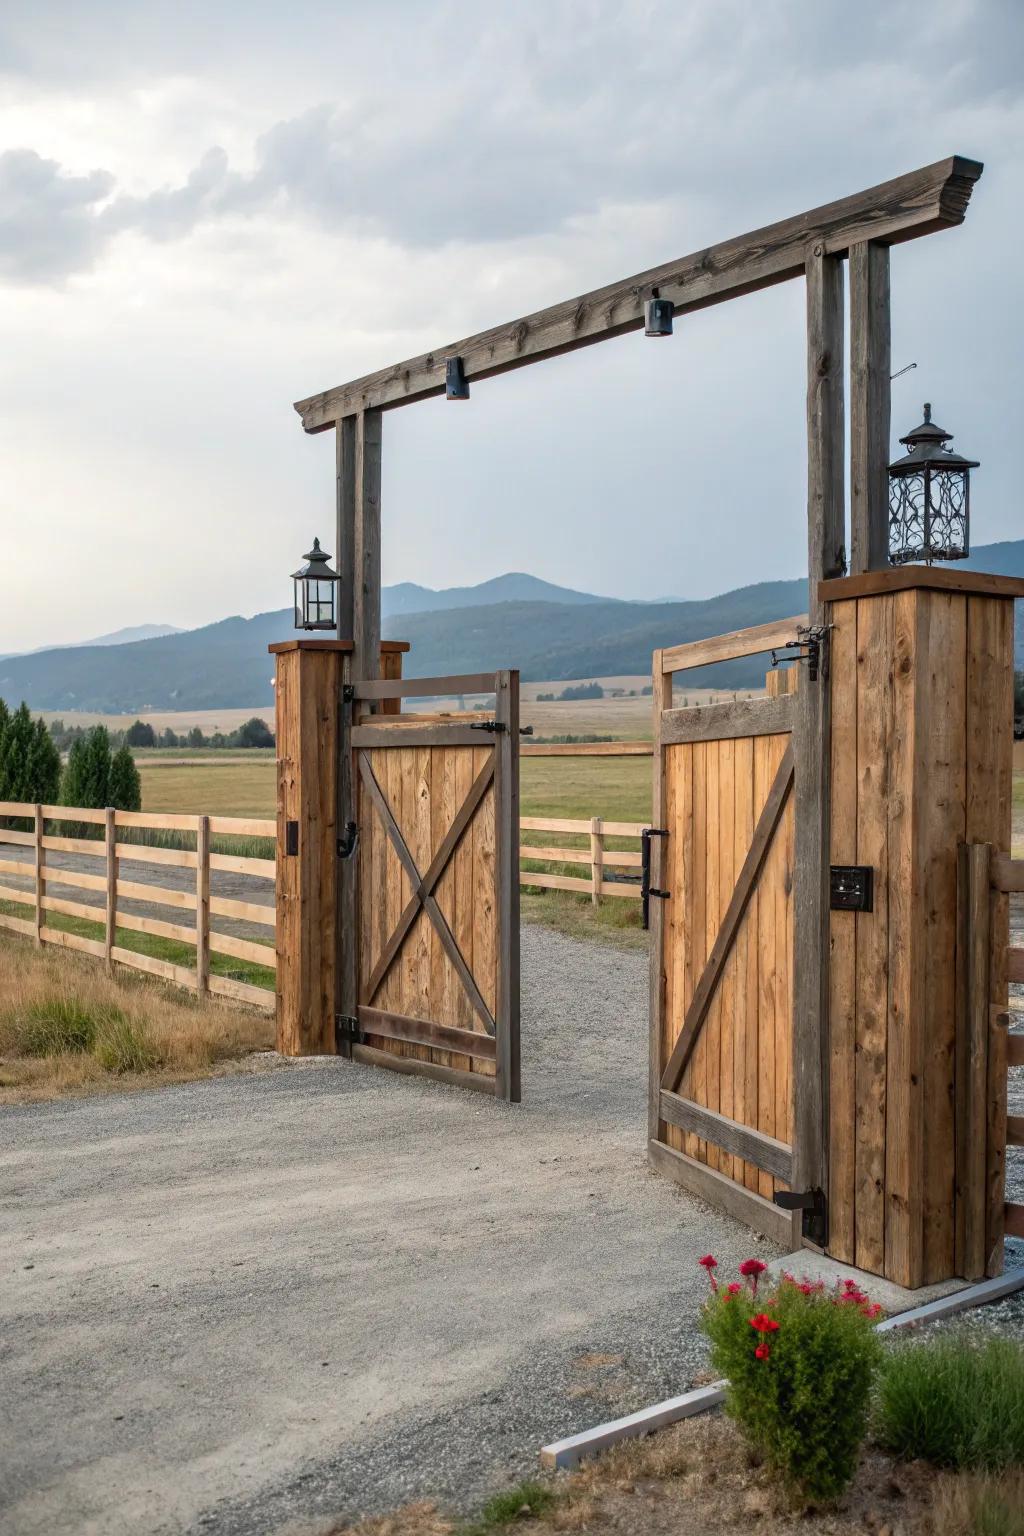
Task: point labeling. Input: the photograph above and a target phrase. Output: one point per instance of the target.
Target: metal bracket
(813, 1205)
(526, 730)
(347, 844)
(495, 727)
(646, 888)
(348, 693)
(806, 647)
(346, 1031)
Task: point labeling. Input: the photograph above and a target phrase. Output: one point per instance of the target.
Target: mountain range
(116, 637)
(550, 633)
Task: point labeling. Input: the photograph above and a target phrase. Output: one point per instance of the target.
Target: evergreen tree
(44, 765)
(255, 733)
(5, 720)
(196, 737)
(140, 734)
(87, 775)
(168, 738)
(125, 786)
(17, 751)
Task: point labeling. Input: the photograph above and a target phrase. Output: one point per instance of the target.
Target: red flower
(762, 1323)
(733, 1288)
(762, 1352)
(708, 1262)
(751, 1267)
(873, 1310)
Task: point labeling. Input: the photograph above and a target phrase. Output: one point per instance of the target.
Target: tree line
(94, 775)
(253, 733)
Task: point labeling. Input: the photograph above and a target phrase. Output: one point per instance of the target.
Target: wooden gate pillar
(311, 675)
(922, 749)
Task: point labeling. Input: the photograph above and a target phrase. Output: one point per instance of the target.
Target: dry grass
(699, 1476)
(67, 1028)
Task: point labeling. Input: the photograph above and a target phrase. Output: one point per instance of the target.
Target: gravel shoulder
(325, 1289)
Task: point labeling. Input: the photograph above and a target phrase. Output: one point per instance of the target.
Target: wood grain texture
(974, 942)
(927, 578)
(741, 719)
(757, 1213)
(870, 367)
(843, 939)
(902, 209)
(732, 646)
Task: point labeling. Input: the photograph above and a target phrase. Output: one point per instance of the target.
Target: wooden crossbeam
(722, 947)
(915, 204)
(423, 886)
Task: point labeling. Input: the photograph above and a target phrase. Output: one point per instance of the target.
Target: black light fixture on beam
(456, 385)
(658, 316)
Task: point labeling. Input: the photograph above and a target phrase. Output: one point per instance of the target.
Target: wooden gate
(722, 984)
(435, 883)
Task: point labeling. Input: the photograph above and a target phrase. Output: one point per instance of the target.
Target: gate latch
(346, 1030)
(813, 1205)
(646, 889)
(806, 647)
(494, 726)
(347, 844)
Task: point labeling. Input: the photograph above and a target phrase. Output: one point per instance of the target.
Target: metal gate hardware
(494, 726)
(806, 647)
(851, 888)
(346, 1030)
(348, 693)
(291, 838)
(814, 1206)
(347, 844)
(526, 730)
(646, 889)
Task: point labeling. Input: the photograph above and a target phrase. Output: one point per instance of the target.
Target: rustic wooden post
(366, 549)
(825, 558)
(203, 905)
(110, 848)
(596, 858)
(870, 366)
(40, 877)
(661, 699)
(506, 822)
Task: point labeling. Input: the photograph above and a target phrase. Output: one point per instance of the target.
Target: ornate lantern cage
(929, 498)
(316, 587)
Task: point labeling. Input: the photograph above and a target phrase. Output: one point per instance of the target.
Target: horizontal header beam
(731, 647)
(911, 205)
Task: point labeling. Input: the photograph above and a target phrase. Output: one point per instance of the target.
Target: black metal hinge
(495, 727)
(807, 647)
(347, 844)
(647, 890)
(346, 1030)
(813, 1205)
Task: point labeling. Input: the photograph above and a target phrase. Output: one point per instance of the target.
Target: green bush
(529, 1498)
(57, 1026)
(122, 1045)
(800, 1361)
(955, 1403)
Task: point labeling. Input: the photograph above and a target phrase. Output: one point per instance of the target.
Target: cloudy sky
(208, 211)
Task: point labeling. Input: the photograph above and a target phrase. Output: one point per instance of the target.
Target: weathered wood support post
(870, 366)
(922, 703)
(826, 558)
(311, 676)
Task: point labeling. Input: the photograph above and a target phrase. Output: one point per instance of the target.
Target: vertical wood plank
(826, 558)
(485, 938)
(783, 891)
(712, 1031)
(764, 770)
(843, 939)
(506, 816)
(974, 950)
(904, 1150)
(596, 859)
(202, 905)
(940, 810)
(349, 873)
(659, 1025)
(727, 869)
(743, 831)
(703, 810)
(366, 546)
(870, 367)
(874, 737)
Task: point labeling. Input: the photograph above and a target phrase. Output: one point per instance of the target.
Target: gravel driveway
(324, 1288)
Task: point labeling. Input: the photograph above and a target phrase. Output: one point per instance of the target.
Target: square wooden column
(922, 751)
(311, 675)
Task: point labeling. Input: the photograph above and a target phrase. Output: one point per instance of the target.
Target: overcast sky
(208, 211)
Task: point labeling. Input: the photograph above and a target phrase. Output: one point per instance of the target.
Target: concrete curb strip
(571, 1451)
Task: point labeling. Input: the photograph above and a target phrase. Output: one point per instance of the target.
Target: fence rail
(601, 860)
(192, 908)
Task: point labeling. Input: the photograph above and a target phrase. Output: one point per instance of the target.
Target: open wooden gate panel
(717, 794)
(438, 967)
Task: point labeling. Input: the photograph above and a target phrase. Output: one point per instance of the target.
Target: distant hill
(226, 665)
(116, 637)
(514, 587)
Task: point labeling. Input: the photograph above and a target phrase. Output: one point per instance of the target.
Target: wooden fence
(601, 860)
(986, 1050)
(118, 846)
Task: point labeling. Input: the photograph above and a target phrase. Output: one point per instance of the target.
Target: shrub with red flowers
(800, 1360)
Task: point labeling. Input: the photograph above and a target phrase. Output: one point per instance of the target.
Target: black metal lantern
(315, 588)
(929, 498)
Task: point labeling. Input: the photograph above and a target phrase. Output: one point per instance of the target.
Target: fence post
(110, 845)
(40, 877)
(596, 858)
(203, 905)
